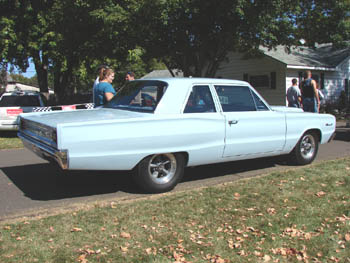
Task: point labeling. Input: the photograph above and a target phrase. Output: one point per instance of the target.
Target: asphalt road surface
(29, 186)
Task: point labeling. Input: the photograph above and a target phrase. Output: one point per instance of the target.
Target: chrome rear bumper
(45, 151)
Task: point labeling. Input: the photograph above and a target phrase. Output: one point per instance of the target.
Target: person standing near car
(104, 91)
(97, 80)
(130, 76)
(309, 93)
(294, 95)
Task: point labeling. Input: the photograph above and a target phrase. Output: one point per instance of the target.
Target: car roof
(178, 90)
(198, 80)
(21, 93)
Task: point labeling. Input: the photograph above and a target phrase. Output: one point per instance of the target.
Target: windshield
(138, 95)
(20, 101)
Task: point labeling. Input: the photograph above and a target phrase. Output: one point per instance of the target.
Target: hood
(75, 116)
(286, 109)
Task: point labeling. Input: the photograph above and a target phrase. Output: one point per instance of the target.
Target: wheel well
(186, 157)
(317, 131)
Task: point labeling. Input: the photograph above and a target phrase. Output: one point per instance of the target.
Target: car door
(251, 127)
(205, 126)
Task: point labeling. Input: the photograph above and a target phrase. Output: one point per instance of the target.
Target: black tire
(159, 172)
(306, 149)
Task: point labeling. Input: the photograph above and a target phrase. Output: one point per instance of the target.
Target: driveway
(29, 186)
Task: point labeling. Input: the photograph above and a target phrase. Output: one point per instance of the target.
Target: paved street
(30, 186)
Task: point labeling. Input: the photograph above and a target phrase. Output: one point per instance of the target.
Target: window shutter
(322, 81)
(245, 77)
(273, 80)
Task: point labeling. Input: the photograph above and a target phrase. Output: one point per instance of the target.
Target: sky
(28, 74)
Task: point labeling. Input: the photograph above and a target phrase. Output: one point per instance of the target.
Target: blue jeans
(294, 105)
(310, 105)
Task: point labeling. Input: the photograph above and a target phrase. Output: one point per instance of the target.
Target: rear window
(139, 95)
(20, 101)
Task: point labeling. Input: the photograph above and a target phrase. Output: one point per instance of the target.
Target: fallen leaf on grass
(266, 258)
(320, 194)
(258, 253)
(124, 249)
(125, 235)
(347, 237)
(82, 259)
(76, 229)
(150, 251)
(271, 211)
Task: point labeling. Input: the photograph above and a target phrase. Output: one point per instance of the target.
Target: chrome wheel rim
(162, 168)
(307, 146)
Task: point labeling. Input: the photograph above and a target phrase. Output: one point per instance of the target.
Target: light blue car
(157, 127)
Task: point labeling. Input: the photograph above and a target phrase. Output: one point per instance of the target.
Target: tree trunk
(41, 66)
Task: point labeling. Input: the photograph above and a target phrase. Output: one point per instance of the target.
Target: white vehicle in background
(14, 103)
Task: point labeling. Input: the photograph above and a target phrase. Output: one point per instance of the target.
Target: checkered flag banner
(85, 106)
(41, 109)
(89, 106)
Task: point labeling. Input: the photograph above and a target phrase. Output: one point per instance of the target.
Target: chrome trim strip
(45, 151)
(38, 131)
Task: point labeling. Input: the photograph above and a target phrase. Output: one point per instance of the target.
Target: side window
(200, 100)
(260, 105)
(235, 98)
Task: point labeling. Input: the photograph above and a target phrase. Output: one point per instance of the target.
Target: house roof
(323, 56)
(164, 73)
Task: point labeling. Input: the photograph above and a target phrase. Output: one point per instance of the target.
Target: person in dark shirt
(309, 92)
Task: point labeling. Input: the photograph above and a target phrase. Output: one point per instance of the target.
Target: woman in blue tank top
(104, 91)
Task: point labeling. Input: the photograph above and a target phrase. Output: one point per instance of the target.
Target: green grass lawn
(302, 215)
(9, 140)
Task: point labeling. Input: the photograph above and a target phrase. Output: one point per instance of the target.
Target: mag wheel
(159, 172)
(306, 149)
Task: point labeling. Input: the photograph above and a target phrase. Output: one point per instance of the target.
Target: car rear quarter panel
(120, 145)
(299, 123)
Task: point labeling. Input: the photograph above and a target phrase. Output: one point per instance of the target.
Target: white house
(272, 74)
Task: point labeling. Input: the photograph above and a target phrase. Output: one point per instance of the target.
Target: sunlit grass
(9, 140)
(302, 215)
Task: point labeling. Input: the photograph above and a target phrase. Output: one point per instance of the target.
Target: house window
(259, 81)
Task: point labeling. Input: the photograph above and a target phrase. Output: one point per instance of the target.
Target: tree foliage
(68, 39)
(196, 36)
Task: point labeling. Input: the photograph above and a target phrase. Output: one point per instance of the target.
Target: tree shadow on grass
(8, 134)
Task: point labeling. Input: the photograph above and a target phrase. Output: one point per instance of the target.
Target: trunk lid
(52, 119)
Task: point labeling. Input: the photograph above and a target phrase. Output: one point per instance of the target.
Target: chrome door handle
(232, 122)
